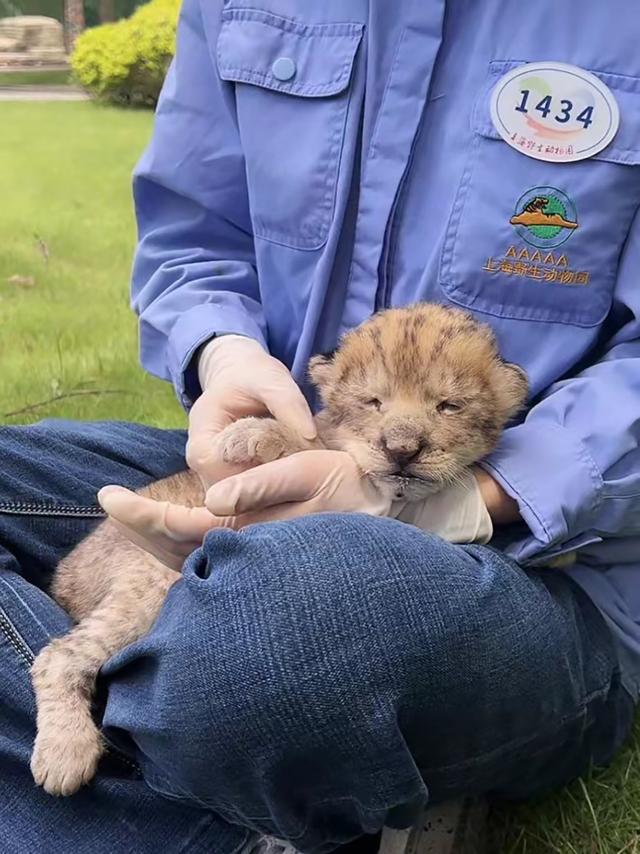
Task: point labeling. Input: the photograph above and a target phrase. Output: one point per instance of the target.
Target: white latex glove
(457, 513)
(238, 378)
(304, 483)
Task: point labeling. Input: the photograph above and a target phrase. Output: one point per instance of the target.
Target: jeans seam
(492, 754)
(166, 791)
(112, 750)
(21, 603)
(203, 829)
(36, 508)
(26, 654)
(15, 639)
(230, 813)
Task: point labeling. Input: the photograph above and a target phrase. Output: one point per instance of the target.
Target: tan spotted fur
(425, 381)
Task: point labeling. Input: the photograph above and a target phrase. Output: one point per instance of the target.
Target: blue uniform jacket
(313, 162)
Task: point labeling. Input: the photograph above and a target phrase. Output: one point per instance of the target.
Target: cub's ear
(513, 387)
(322, 369)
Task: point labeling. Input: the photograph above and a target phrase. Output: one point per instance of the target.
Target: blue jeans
(311, 679)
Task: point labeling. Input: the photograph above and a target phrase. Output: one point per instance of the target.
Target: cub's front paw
(65, 757)
(253, 441)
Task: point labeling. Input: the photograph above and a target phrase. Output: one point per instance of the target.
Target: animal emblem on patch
(545, 217)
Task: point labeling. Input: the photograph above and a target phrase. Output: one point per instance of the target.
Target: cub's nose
(402, 453)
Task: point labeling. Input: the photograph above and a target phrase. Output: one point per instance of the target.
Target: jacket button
(283, 68)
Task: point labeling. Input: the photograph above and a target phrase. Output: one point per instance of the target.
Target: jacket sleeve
(194, 272)
(574, 464)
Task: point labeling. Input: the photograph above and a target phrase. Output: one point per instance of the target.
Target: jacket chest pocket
(533, 240)
(292, 91)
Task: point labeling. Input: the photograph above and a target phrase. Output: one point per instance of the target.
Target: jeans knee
(306, 613)
(308, 618)
(295, 609)
(293, 651)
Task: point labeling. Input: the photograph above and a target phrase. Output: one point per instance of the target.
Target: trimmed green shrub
(126, 62)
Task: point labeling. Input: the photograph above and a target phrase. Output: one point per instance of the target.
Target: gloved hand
(168, 531)
(304, 483)
(239, 378)
(457, 513)
(330, 481)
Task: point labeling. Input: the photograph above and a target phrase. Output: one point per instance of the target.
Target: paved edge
(30, 92)
(456, 827)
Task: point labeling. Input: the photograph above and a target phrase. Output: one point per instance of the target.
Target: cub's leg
(114, 590)
(68, 744)
(260, 440)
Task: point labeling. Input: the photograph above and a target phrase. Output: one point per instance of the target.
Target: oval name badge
(554, 112)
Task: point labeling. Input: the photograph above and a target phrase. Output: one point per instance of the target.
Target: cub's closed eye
(373, 402)
(448, 407)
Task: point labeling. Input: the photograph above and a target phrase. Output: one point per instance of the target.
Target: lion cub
(416, 395)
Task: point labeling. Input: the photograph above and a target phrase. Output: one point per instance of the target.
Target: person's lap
(313, 679)
(49, 475)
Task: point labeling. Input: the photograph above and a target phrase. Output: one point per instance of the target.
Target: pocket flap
(624, 149)
(309, 60)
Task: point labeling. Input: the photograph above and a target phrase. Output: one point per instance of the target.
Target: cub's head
(417, 395)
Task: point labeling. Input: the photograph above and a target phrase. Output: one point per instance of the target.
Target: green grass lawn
(596, 816)
(64, 170)
(35, 78)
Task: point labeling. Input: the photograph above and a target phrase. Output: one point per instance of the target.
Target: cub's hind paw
(253, 440)
(66, 757)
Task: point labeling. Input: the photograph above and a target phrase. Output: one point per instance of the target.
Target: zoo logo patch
(545, 217)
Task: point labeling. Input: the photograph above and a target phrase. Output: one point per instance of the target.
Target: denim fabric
(48, 481)
(311, 679)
